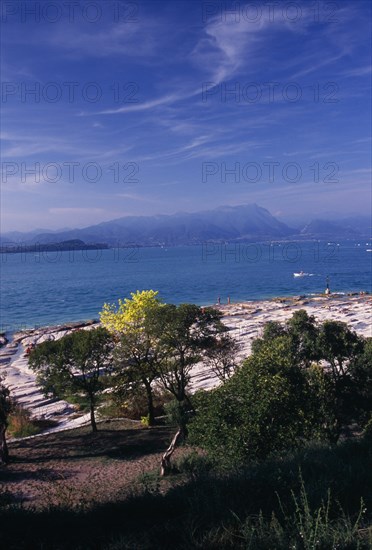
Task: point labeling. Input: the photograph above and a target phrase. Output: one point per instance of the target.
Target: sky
(114, 108)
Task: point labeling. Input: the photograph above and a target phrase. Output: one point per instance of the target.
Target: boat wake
(302, 274)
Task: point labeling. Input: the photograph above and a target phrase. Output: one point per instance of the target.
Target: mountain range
(226, 223)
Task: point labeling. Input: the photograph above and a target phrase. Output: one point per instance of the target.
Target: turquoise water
(51, 288)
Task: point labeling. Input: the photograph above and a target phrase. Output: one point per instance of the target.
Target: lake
(55, 287)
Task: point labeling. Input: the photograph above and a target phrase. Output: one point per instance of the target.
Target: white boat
(300, 274)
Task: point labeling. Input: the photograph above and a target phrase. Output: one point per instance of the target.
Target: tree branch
(165, 461)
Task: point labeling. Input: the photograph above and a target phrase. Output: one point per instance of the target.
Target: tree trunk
(184, 405)
(150, 402)
(93, 418)
(4, 453)
(165, 461)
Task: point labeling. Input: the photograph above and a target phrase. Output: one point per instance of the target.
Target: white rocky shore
(245, 320)
(21, 380)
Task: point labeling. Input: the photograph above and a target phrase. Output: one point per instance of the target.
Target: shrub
(145, 421)
(263, 409)
(194, 464)
(176, 412)
(133, 404)
(21, 424)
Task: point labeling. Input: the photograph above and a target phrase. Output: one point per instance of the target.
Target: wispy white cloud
(170, 131)
(358, 71)
(137, 107)
(314, 68)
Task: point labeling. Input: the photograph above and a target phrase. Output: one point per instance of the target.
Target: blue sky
(155, 107)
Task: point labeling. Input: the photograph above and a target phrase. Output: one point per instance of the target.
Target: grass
(22, 425)
(316, 499)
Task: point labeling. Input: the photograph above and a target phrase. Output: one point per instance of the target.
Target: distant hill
(74, 244)
(326, 229)
(349, 228)
(223, 224)
(226, 223)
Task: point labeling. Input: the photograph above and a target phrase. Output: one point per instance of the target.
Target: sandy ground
(245, 321)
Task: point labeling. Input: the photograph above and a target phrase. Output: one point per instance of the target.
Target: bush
(176, 412)
(21, 424)
(263, 409)
(194, 464)
(133, 404)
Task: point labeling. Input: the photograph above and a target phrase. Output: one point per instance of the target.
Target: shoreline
(245, 321)
(12, 333)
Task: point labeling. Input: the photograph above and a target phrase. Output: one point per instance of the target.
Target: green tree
(134, 324)
(360, 369)
(5, 409)
(221, 357)
(323, 409)
(340, 348)
(186, 333)
(262, 409)
(74, 365)
(302, 332)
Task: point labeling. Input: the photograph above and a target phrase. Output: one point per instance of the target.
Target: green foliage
(338, 345)
(340, 391)
(148, 483)
(134, 324)
(186, 332)
(305, 528)
(131, 402)
(5, 409)
(5, 404)
(131, 314)
(302, 333)
(194, 465)
(163, 342)
(177, 412)
(264, 408)
(21, 424)
(221, 357)
(145, 421)
(349, 375)
(360, 370)
(74, 365)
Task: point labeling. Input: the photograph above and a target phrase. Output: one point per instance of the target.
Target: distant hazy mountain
(226, 223)
(19, 236)
(360, 224)
(352, 228)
